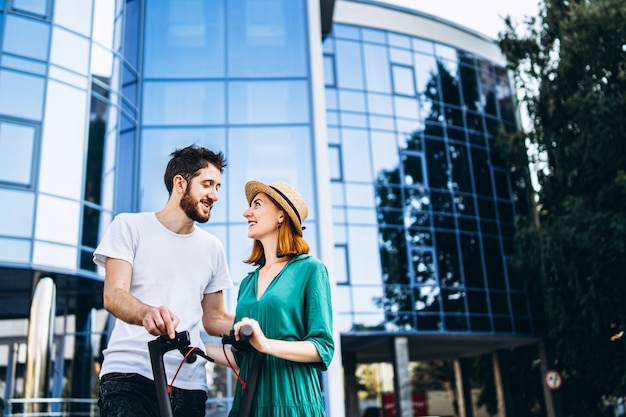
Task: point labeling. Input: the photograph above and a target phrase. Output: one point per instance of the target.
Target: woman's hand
(258, 339)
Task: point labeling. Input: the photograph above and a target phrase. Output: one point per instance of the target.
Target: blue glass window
(406, 107)
(421, 45)
(13, 250)
(352, 101)
(329, 70)
(403, 80)
(125, 163)
(284, 153)
(33, 6)
(447, 52)
(267, 39)
(180, 103)
(334, 153)
(26, 37)
(348, 61)
(331, 99)
(346, 32)
(400, 56)
(401, 41)
(379, 104)
(373, 35)
(268, 102)
(426, 71)
(364, 256)
(341, 264)
(16, 219)
(69, 51)
(184, 41)
(384, 153)
(356, 155)
(17, 143)
(21, 95)
(377, 77)
(131, 33)
(56, 220)
(74, 15)
(63, 138)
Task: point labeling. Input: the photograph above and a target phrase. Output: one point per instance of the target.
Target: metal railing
(52, 407)
(65, 407)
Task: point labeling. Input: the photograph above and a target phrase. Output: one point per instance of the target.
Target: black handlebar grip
(245, 332)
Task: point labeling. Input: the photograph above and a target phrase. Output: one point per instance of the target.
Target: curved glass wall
(59, 112)
(58, 104)
(423, 204)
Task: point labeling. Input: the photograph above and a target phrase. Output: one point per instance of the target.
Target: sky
(483, 16)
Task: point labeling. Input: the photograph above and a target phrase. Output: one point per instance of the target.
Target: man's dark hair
(187, 162)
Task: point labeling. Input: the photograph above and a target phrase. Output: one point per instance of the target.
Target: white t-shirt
(167, 269)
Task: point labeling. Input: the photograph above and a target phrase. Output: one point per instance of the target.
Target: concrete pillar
(401, 380)
(501, 382)
(463, 391)
(350, 386)
(39, 344)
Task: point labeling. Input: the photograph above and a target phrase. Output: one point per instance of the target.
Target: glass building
(384, 117)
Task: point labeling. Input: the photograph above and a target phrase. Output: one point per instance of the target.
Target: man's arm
(119, 302)
(215, 319)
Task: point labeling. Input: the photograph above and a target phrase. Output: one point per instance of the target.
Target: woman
(287, 302)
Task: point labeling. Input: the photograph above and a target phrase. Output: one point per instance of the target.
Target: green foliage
(571, 70)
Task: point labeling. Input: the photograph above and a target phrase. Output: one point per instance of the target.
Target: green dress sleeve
(318, 312)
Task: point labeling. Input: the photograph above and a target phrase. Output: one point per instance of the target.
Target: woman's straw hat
(285, 195)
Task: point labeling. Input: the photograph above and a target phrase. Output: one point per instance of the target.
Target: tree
(571, 70)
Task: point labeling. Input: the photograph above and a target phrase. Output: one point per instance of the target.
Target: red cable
(242, 382)
(169, 387)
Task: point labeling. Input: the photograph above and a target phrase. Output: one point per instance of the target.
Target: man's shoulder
(206, 236)
(135, 217)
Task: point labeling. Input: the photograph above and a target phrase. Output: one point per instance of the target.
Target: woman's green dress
(295, 306)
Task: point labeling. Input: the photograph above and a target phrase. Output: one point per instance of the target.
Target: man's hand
(160, 320)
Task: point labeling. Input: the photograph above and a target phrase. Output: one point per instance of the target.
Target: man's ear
(180, 184)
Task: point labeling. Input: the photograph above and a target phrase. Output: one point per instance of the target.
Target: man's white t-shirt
(169, 270)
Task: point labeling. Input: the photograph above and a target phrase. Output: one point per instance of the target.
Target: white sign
(553, 379)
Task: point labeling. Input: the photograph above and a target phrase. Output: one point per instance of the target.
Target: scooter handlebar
(245, 333)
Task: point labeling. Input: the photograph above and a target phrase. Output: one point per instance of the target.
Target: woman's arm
(296, 351)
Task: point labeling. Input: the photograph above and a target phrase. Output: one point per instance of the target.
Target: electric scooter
(163, 344)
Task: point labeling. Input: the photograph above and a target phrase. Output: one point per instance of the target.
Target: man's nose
(213, 194)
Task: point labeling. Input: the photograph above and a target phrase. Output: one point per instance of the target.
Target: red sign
(419, 403)
(553, 379)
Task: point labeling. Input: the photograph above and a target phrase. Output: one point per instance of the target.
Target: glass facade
(422, 201)
(96, 94)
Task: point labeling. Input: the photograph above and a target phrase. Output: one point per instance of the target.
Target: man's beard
(190, 206)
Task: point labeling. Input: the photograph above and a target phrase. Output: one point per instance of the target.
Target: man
(164, 274)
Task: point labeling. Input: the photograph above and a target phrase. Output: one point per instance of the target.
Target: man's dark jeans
(132, 395)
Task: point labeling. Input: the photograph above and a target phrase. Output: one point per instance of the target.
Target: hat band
(288, 202)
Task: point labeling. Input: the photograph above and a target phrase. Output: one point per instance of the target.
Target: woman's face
(263, 217)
